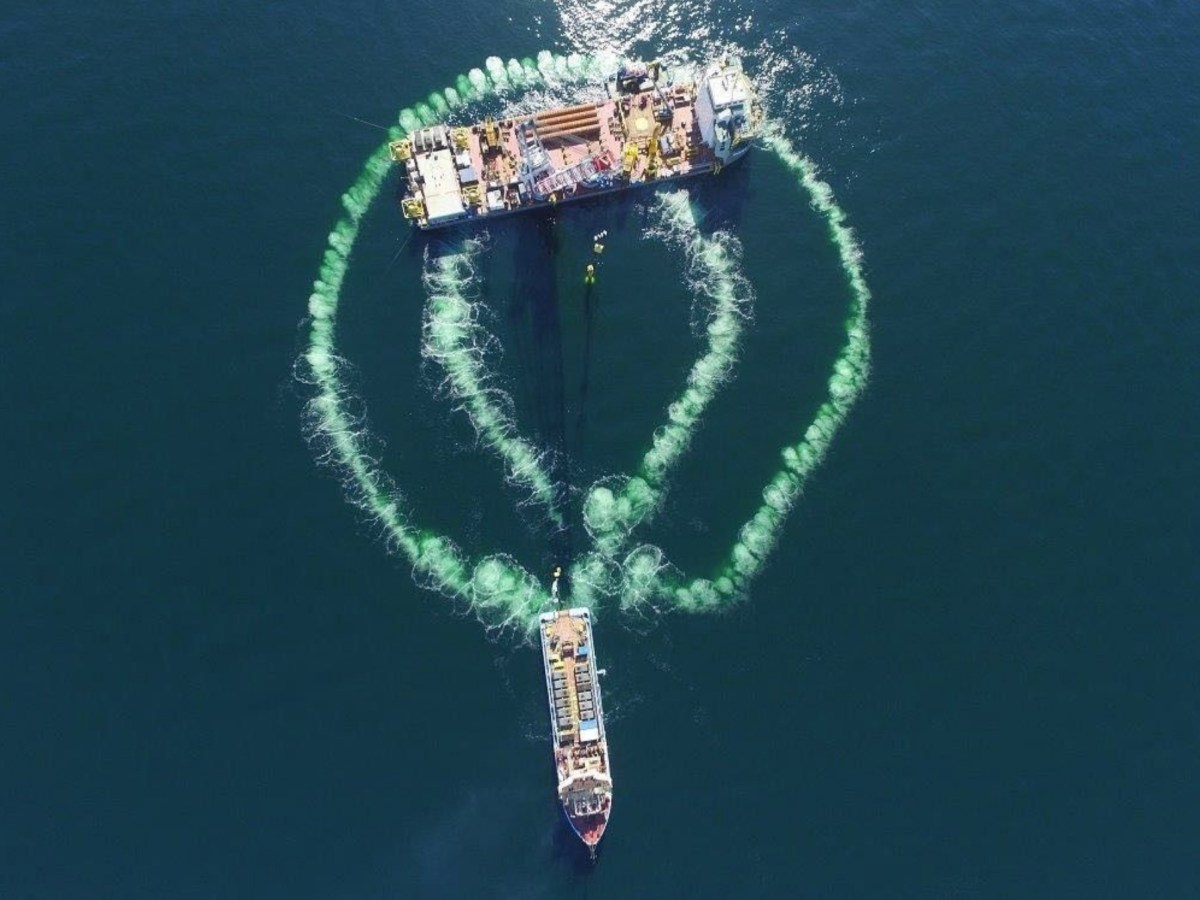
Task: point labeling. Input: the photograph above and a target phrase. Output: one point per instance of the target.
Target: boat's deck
(646, 131)
(578, 720)
(621, 135)
(580, 748)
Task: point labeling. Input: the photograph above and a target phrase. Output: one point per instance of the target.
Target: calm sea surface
(970, 666)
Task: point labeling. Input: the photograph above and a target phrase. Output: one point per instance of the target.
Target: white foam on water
(426, 114)
(614, 507)
(456, 341)
(516, 73)
(851, 371)
(594, 578)
(496, 588)
(480, 85)
(495, 68)
(644, 571)
(409, 121)
(500, 592)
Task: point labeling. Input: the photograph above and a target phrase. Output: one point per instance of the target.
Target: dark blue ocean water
(970, 668)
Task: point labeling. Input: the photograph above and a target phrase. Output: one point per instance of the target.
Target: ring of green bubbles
(496, 588)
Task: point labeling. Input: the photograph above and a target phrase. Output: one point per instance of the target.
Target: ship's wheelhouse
(723, 110)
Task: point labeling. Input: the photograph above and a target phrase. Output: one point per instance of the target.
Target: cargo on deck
(651, 127)
(576, 720)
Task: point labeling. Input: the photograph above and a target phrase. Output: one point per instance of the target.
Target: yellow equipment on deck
(491, 132)
(413, 207)
(461, 138)
(401, 150)
(652, 157)
(629, 158)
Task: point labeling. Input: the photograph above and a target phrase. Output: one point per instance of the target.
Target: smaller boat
(576, 719)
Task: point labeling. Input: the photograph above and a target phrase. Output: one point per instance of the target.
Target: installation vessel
(650, 127)
(585, 783)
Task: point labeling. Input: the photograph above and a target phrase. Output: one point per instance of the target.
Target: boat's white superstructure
(576, 720)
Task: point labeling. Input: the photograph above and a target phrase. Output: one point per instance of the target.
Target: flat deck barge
(649, 128)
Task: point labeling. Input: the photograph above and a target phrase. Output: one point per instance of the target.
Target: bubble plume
(851, 369)
(457, 342)
(614, 507)
(495, 588)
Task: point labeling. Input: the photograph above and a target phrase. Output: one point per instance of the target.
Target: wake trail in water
(495, 588)
(457, 342)
(644, 577)
(851, 371)
(615, 507)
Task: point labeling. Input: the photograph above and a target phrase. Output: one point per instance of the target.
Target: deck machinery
(650, 127)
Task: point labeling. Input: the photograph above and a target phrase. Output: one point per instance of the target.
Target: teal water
(966, 667)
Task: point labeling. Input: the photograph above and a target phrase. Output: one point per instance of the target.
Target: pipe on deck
(573, 122)
(565, 112)
(567, 132)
